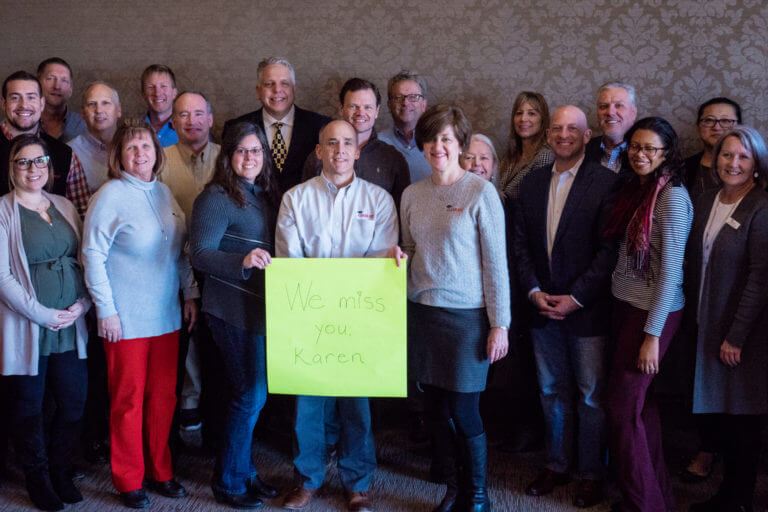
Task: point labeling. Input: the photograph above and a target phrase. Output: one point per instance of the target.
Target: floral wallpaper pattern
(479, 54)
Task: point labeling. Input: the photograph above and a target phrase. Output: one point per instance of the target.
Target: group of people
(120, 236)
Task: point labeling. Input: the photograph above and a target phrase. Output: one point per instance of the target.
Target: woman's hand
(258, 258)
(648, 358)
(730, 354)
(190, 312)
(62, 318)
(397, 253)
(109, 328)
(497, 345)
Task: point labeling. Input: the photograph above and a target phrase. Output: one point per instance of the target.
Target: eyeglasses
(647, 150)
(710, 122)
(410, 98)
(248, 151)
(41, 162)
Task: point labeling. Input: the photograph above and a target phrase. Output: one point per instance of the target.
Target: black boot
(30, 450)
(475, 461)
(445, 458)
(64, 436)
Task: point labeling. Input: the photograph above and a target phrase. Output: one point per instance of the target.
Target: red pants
(142, 393)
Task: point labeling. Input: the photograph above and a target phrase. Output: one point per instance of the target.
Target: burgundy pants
(142, 395)
(634, 427)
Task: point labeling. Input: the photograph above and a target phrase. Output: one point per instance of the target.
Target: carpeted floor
(398, 486)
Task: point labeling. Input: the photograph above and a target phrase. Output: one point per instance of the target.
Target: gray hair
(91, 85)
(198, 93)
(269, 61)
(754, 143)
(404, 75)
(488, 142)
(631, 91)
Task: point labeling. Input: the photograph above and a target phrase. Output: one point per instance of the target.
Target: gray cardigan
(733, 307)
(21, 315)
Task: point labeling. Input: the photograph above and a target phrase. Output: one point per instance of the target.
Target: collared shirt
(286, 130)
(73, 126)
(166, 134)
(417, 164)
(186, 173)
(319, 220)
(559, 188)
(93, 155)
(612, 158)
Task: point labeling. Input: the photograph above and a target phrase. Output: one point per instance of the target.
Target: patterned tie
(279, 151)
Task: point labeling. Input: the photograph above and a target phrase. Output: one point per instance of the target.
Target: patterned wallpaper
(480, 54)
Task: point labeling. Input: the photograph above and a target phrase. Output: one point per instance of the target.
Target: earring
(756, 175)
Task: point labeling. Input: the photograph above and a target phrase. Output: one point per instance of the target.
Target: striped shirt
(660, 290)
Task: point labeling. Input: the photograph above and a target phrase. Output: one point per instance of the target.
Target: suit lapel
(579, 190)
(540, 201)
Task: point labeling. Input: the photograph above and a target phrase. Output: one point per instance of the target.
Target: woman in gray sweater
(726, 280)
(458, 291)
(233, 222)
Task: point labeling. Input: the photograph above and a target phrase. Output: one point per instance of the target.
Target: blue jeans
(357, 454)
(244, 358)
(567, 365)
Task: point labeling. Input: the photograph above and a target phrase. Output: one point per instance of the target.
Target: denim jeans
(244, 358)
(571, 371)
(357, 454)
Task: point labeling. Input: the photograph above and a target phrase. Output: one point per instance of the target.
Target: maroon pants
(142, 394)
(633, 417)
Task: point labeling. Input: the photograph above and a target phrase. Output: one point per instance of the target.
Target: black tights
(442, 405)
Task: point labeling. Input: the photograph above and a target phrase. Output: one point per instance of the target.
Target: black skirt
(447, 347)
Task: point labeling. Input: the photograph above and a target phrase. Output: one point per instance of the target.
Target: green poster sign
(336, 327)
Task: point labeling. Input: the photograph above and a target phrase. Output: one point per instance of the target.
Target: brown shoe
(546, 482)
(298, 498)
(588, 493)
(359, 502)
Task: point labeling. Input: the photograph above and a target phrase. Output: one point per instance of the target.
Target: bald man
(564, 264)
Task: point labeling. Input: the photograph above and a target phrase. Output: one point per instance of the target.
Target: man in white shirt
(335, 215)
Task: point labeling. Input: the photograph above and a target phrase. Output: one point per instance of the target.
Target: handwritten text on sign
(336, 327)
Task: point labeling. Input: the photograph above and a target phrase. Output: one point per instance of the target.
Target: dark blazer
(733, 307)
(306, 128)
(61, 157)
(593, 153)
(582, 259)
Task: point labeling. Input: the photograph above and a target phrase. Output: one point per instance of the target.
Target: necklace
(42, 205)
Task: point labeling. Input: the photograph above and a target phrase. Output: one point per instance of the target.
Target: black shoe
(64, 487)
(242, 501)
(189, 420)
(135, 499)
(475, 461)
(169, 488)
(258, 488)
(41, 491)
(76, 474)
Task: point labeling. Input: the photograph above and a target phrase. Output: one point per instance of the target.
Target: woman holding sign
(458, 294)
(231, 237)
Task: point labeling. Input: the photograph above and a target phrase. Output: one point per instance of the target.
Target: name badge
(364, 215)
(733, 223)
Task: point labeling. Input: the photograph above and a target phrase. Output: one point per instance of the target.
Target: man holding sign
(335, 215)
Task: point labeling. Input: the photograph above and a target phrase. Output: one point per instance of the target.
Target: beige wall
(479, 54)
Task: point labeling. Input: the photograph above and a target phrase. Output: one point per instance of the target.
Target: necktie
(279, 151)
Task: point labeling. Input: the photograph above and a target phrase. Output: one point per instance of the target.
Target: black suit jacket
(593, 153)
(306, 128)
(61, 157)
(582, 258)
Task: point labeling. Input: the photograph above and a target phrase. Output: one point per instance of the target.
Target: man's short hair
(157, 68)
(53, 60)
(182, 93)
(91, 85)
(631, 91)
(269, 61)
(719, 101)
(403, 76)
(436, 118)
(359, 84)
(21, 75)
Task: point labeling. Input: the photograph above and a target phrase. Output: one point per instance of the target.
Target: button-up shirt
(559, 188)
(286, 129)
(187, 173)
(73, 126)
(319, 220)
(417, 164)
(93, 155)
(612, 158)
(166, 134)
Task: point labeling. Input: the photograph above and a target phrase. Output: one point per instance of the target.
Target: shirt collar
(7, 130)
(620, 147)
(400, 135)
(287, 120)
(331, 187)
(94, 142)
(188, 156)
(573, 170)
